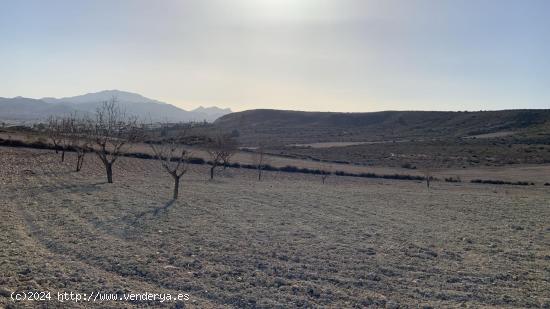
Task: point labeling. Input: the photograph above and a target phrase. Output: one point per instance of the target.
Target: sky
(317, 55)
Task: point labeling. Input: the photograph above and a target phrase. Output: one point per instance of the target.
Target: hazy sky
(337, 55)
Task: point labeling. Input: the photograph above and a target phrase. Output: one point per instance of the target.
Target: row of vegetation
(391, 176)
(494, 182)
(502, 182)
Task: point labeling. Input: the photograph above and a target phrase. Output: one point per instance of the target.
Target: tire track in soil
(78, 264)
(47, 178)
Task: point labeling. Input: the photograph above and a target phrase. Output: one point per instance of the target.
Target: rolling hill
(288, 127)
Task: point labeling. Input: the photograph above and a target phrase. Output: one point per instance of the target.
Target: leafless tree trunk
(109, 171)
(79, 162)
(212, 171)
(112, 132)
(176, 187)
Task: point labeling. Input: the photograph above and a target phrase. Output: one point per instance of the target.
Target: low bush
(139, 155)
(194, 160)
(294, 169)
(267, 167)
(409, 166)
(452, 179)
(340, 162)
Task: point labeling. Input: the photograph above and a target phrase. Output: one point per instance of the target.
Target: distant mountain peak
(133, 103)
(105, 95)
(211, 109)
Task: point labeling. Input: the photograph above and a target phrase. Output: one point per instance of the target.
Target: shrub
(289, 169)
(409, 166)
(267, 167)
(452, 179)
(234, 165)
(139, 155)
(195, 160)
(340, 162)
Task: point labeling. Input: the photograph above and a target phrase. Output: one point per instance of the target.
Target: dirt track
(288, 241)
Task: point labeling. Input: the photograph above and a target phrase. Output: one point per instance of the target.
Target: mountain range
(33, 110)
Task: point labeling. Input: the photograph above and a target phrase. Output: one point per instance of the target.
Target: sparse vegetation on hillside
(436, 153)
(292, 127)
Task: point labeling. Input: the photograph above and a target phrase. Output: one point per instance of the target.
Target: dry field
(288, 241)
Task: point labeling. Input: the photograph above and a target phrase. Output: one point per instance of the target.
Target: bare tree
(77, 129)
(111, 133)
(59, 131)
(325, 172)
(259, 159)
(66, 140)
(174, 159)
(220, 149)
(428, 176)
(54, 129)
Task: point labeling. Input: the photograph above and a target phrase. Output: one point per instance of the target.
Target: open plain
(287, 241)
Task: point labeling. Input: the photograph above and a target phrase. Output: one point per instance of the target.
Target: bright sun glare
(280, 9)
